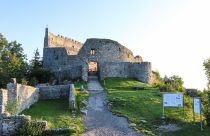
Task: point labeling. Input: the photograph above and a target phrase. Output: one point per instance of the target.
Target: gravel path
(99, 121)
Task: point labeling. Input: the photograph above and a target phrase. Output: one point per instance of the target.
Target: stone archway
(92, 67)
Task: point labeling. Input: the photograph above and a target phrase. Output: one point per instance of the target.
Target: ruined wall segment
(26, 96)
(21, 96)
(106, 50)
(56, 41)
(113, 69)
(67, 58)
(53, 92)
(55, 58)
(141, 71)
(60, 55)
(3, 100)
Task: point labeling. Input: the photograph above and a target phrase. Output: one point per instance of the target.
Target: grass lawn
(144, 107)
(56, 112)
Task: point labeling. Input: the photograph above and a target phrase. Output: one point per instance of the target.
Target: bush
(58, 132)
(29, 128)
(40, 75)
(12, 107)
(24, 81)
(206, 105)
(171, 84)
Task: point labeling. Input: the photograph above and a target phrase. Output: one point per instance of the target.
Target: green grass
(144, 107)
(56, 112)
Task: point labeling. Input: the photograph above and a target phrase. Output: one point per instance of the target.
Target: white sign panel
(173, 100)
(197, 106)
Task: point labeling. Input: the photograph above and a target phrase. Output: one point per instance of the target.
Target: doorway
(92, 68)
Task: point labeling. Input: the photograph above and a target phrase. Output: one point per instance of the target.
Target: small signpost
(197, 109)
(172, 100)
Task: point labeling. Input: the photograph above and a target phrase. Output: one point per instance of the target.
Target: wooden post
(71, 97)
(201, 115)
(183, 107)
(163, 112)
(193, 112)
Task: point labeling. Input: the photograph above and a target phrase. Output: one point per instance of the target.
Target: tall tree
(37, 74)
(206, 65)
(12, 61)
(36, 62)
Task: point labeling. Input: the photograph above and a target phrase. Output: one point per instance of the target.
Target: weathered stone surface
(21, 95)
(132, 125)
(3, 100)
(84, 111)
(113, 59)
(26, 96)
(53, 92)
(8, 124)
(71, 97)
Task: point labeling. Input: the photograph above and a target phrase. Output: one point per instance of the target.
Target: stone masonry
(53, 92)
(68, 58)
(21, 95)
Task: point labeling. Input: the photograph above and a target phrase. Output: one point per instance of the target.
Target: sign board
(173, 100)
(197, 105)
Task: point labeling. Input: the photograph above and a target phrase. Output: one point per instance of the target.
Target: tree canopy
(12, 61)
(206, 65)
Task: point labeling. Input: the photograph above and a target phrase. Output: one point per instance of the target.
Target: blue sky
(173, 34)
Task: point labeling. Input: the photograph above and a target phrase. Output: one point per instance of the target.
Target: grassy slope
(146, 105)
(57, 113)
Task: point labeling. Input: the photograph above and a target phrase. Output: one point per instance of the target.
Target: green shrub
(24, 81)
(12, 107)
(206, 105)
(29, 128)
(40, 75)
(63, 132)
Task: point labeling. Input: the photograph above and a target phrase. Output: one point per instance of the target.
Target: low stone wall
(26, 96)
(8, 124)
(21, 96)
(53, 92)
(141, 71)
(115, 69)
(3, 100)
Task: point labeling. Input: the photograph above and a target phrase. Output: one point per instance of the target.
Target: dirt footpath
(99, 121)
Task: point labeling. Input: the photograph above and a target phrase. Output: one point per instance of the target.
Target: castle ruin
(68, 58)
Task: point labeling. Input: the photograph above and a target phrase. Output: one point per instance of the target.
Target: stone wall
(8, 124)
(53, 92)
(141, 71)
(26, 96)
(113, 69)
(54, 58)
(62, 65)
(72, 46)
(112, 58)
(105, 51)
(3, 100)
(22, 96)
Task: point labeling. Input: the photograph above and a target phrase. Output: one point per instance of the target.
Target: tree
(37, 74)
(12, 61)
(206, 65)
(36, 61)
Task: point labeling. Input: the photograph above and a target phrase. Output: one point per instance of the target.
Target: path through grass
(144, 107)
